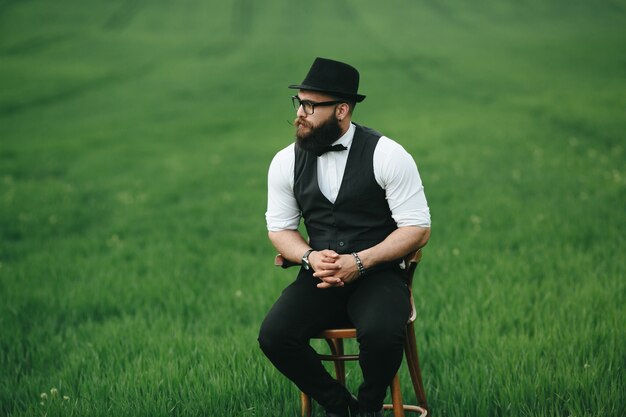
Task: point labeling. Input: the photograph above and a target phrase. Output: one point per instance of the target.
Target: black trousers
(377, 305)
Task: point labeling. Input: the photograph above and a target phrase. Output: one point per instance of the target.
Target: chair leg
(305, 400)
(396, 397)
(336, 348)
(410, 349)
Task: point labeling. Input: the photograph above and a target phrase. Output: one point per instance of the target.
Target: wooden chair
(335, 337)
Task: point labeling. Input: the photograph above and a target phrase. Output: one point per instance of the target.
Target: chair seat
(347, 333)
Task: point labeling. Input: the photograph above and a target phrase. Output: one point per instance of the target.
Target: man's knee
(380, 337)
(274, 338)
(267, 337)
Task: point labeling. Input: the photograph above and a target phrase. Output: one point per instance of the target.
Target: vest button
(341, 243)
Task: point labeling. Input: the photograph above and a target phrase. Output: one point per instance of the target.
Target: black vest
(360, 217)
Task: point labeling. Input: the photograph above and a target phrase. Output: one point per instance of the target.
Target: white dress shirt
(394, 170)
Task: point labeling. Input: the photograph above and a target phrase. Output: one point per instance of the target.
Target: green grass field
(135, 138)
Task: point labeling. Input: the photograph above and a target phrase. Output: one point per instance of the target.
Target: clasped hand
(332, 269)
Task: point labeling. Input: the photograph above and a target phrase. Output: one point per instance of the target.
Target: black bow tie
(329, 148)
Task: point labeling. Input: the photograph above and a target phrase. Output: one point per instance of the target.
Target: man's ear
(342, 111)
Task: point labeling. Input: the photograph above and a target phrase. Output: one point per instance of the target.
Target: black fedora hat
(333, 77)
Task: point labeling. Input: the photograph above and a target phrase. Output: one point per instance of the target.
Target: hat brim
(349, 96)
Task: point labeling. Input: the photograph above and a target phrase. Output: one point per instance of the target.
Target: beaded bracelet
(359, 264)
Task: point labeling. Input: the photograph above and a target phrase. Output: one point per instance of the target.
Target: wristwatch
(305, 259)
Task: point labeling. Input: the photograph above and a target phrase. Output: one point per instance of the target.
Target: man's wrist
(305, 259)
(359, 264)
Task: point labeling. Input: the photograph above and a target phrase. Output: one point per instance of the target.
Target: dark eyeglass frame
(295, 100)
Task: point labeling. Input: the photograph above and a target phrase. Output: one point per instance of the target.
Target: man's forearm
(399, 243)
(402, 241)
(290, 244)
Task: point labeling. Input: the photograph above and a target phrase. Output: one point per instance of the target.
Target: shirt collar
(346, 138)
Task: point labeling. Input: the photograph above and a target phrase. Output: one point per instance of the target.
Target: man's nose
(300, 112)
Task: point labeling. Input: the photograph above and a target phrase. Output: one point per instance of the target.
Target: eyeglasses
(309, 106)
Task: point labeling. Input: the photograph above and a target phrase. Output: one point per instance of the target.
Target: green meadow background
(135, 138)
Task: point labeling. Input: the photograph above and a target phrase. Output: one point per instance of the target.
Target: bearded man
(364, 209)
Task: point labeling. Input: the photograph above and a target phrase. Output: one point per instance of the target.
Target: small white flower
(44, 396)
(54, 392)
(66, 398)
(475, 219)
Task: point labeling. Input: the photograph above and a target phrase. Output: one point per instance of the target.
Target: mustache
(298, 121)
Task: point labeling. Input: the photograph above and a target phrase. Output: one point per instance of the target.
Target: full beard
(318, 137)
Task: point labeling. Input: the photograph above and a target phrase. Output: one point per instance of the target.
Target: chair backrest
(411, 261)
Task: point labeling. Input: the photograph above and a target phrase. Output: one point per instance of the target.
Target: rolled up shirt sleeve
(396, 172)
(283, 212)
